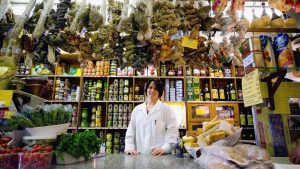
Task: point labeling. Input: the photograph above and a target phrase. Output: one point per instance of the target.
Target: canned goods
(125, 97)
(108, 137)
(108, 151)
(110, 116)
(125, 123)
(120, 117)
(110, 123)
(116, 83)
(115, 116)
(115, 123)
(109, 144)
(115, 97)
(116, 108)
(116, 149)
(120, 123)
(121, 98)
(116, 137)
(110, 108)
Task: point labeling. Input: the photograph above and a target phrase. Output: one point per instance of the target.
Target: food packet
(218, 6)
(208, 161)
(237, 5)
(226, 153)
(253, 153)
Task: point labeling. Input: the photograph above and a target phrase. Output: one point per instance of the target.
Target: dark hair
(158, 84)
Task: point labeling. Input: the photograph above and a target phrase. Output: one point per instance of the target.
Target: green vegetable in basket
(19, 123)
(80, 144)
(53, 116)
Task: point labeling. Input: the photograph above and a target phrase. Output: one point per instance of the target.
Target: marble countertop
(121, 161)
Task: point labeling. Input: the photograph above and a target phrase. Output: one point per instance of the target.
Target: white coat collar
(157, 105)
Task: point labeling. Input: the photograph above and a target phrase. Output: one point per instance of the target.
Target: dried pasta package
(253, 153)
(283, 51)
(218, 6)
(237, 5)
(227, 153)
(207, 161)
(281, 5)
(268, 54)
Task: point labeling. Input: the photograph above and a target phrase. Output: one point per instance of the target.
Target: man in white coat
(153, 125)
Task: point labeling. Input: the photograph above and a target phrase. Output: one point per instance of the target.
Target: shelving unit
(133, 82)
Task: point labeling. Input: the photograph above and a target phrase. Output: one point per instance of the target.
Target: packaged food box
(250, 45)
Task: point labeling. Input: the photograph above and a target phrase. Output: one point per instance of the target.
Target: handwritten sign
(5, 98)
(251, 89)
(189, 42)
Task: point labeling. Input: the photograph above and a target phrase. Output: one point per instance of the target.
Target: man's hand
(158, 151)
(295, 157)
(132, 152)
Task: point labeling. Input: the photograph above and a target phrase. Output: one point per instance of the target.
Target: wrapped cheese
(226, 127)
(209, 125)
(215, 136)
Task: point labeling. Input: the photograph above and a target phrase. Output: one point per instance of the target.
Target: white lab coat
(157, 129)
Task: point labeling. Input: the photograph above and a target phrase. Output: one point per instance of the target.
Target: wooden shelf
(62, 76)
(208, 77)
(219, 102)
(60, 101)
(278, 30)
(99, 101)
(103, 128)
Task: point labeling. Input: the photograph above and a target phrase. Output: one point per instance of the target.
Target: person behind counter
(153, 125)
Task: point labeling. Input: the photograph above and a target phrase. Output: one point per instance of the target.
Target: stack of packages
(216, 144)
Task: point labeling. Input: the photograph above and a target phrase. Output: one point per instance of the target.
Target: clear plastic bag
(4, 6)
(253, 153)
(227, 153)
(74, 23)
(39, 28)
(207, 161)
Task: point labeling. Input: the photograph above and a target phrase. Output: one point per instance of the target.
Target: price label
(189, 42)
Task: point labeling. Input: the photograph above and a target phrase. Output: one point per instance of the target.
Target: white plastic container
(283, 163)
(47, 130)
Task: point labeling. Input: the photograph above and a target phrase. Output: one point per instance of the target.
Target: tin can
(121, 98)
(110, 108)
(110, 116)
(110, 123)
(115, 116)
(116, 108)
(109, 137)
(116, 149)
(108, 151)
(115, 123)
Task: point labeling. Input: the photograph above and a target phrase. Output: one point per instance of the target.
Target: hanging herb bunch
(55, 37)
(30, 24)
(114, 10)
(59, 18)
(40, 54)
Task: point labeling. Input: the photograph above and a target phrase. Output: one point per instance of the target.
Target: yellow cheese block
(215, 136)
(187, 139)
(209, 125)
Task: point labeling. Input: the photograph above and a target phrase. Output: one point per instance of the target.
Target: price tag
(189, 42)
(5, 98)
(200, 111)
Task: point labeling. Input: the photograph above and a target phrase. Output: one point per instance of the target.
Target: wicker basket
(35, 89)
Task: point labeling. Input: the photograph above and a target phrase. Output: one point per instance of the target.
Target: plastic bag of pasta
(227, 153)
(39, 29)
(252, 152)
(207, 161)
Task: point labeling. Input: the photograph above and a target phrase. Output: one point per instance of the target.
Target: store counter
(121, 161)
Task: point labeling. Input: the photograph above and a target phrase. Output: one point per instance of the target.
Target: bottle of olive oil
(221, 92)
(206, 93)
(215, 93)
(232, 92)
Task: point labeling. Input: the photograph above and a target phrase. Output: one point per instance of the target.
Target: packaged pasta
(283, 51)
